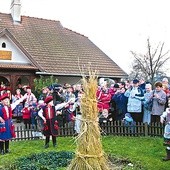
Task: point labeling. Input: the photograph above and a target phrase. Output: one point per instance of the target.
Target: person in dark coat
(7, 131)
(120, 103)
(142, 84)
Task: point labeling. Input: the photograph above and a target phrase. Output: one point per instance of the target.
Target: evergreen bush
(42, 161)
(43, 81)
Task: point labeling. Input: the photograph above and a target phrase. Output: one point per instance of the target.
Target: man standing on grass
(7, 131)
(49, 116)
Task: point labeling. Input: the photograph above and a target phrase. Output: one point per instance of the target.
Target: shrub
(42, 161)
(43, 81)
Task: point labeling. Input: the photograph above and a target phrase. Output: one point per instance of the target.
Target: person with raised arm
(7, 129)
(49, 116)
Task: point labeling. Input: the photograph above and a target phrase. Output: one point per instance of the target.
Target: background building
(30, 47)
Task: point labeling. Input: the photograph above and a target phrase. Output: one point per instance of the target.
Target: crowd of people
(56, 106)
(143, 101)
(137, 101)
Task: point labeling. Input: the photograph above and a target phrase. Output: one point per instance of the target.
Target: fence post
(146, 129)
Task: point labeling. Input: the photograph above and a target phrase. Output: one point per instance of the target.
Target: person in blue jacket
(120, 103)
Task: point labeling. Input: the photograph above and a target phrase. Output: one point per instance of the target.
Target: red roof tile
(55, 49)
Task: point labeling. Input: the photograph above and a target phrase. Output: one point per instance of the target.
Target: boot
(46, 145)
(47, 140)
(54, 141)
(7, 146)
(2, 148)
(2, 152)
(167, 158)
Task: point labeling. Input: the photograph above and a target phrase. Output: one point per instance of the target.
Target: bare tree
(149, 65)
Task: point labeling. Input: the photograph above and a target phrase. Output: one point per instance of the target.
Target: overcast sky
(115, 26)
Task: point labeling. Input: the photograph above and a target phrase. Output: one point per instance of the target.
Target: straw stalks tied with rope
(89, 152)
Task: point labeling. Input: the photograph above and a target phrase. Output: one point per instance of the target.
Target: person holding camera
(135, 98)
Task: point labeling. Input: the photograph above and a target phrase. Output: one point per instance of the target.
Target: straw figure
(89, 153)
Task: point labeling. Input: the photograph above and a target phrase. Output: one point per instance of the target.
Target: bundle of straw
(89, 152)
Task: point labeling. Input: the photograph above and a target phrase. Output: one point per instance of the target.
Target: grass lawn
(144, 152)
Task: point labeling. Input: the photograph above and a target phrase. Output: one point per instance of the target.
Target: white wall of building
(17, 55)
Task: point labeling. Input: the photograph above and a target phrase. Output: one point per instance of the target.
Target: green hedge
(42, 161)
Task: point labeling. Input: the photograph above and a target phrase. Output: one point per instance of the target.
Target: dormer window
(3, 45)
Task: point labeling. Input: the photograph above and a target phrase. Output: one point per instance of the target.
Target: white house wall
(17, 55)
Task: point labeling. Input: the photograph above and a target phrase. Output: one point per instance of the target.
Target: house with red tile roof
(30, 47)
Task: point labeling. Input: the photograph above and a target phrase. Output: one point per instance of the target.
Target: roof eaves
(17, 66)
(79, 75)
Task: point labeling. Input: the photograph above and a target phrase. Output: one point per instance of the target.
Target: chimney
(16, 10)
